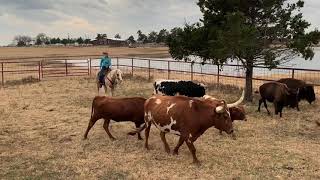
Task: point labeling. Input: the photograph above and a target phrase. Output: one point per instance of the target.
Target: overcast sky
(89, 17)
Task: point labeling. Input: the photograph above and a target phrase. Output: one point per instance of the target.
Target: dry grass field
(16, 52)
(42, 126)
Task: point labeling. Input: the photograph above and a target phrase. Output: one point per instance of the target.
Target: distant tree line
(43, 39)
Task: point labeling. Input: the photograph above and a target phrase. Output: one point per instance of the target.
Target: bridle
(112, 82)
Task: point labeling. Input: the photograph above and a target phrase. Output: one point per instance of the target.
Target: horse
(112, 79)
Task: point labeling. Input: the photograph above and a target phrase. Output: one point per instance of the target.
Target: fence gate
(65, 67)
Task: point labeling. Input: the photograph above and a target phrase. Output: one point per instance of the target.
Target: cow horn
(238, 102)
(220, 109)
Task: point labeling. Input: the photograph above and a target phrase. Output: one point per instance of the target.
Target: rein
(111, 83)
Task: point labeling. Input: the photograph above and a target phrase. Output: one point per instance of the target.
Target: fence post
(42, 69)
(168, 69)
(39, 68)
(90, 67)
(117, 62)
(132, 67)
(66, 67)
(149, 77)
(2, 75)
(218, 77)
(191, 71)
(292, 74)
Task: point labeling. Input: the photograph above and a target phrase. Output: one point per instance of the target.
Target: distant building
(110, 42)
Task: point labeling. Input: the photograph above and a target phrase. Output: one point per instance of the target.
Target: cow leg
(193, 151)
(265, 105)
(163, 138)
(280, 109)
(180, 142)
(298, 109)
(147, 131)
(260, 102)
(138, 126)
(92, 121)
(106, 128)
(276, 108)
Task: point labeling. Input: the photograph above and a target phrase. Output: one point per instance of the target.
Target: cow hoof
(196, 163)
(131, 133)
(167, 151)
(175, 153)
(234, 137)
(113, 139)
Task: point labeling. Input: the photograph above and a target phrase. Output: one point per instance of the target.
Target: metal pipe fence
(38, 68)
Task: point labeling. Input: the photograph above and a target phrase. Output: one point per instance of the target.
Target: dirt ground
(42, 127)
(12, 52)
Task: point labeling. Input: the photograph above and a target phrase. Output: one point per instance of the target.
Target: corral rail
(38, 68)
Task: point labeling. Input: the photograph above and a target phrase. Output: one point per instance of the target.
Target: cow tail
(92, 109)
(138, 130)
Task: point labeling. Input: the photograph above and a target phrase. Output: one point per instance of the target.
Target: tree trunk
(248, 88)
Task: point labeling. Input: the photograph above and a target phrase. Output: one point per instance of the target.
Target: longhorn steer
(186, 117)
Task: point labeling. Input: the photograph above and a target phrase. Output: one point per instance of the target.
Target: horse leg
(112, 91)
(105, 89)
(98, 86)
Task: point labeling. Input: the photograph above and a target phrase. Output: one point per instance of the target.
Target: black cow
(305, 91)
(178, 87)
(279, 94)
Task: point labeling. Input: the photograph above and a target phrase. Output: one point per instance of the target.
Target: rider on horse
(105, 64)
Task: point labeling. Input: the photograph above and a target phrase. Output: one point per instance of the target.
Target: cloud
(27, 5)
(83, 17)
(80, 17)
